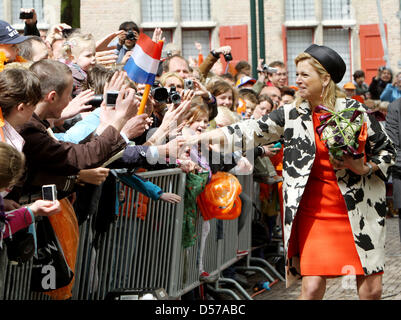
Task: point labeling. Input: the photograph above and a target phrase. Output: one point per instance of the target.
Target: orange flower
(3, 59)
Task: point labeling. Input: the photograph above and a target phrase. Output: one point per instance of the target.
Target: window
(299, 10)
(338, 40)
(297, 41)
(1, 10)
(336, 9)
(167, 34)
(189, 37)
(157, 10)
(18, 4)
(195, 10)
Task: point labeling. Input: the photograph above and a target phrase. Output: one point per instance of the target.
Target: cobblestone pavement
(344, 288)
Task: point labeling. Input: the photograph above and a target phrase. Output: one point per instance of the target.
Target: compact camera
(268, 69)
(26, 15)
(49, 192)
(188, 84)
(111, 98)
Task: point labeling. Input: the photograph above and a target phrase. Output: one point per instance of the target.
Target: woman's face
(385, 75)
(174, 82)
(225, 99)
(200, 125)
(308, 81)
(262, 109)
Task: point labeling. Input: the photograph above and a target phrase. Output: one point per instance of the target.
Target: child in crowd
(9, 38)
(210, 161)
(11, 169)
(251, 100)
(79, 53)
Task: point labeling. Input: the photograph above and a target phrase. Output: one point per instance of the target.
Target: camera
(160, 94)
(228, 57)
(173, 96)
(188, 84)
(111, 98)
(268, 69)
(96, 101)
(49, 192)
(25, 15)
(131, 35)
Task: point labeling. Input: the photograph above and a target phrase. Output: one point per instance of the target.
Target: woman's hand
(45, 207)
(136, 126)
(106, 58)
(347, 162)
(270, 151)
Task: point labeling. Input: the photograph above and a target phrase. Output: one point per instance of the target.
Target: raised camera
(49, 192)
(111, 98)
(160, 94)
(188, 84)
(96, 101)
(174, 97)
(228, 57)
(25, 15)
(268, 69)
(131, 35)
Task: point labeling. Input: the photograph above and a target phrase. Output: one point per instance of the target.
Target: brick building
(349, 26)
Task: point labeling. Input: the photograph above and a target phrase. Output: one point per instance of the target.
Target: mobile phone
(49, 192)
(25, 15)
(277, 145)
(111, 98)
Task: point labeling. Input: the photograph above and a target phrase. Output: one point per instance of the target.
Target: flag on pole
(143, 64)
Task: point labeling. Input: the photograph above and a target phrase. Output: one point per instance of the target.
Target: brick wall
(104, 17)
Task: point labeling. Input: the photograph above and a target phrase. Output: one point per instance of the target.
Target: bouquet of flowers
(340, 131)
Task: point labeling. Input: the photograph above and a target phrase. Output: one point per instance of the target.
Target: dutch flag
(143, 64)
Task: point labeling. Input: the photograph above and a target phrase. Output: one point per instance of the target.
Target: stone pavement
(344, 288)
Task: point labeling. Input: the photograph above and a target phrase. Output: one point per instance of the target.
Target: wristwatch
(370, 169)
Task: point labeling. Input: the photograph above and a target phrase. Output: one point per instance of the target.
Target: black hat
(8, 35)
(330, 60)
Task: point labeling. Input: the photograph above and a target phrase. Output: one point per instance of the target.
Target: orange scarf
(4, 60)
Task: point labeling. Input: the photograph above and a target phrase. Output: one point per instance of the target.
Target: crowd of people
(56, 128)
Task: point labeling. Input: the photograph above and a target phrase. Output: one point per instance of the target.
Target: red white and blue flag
(143, 64)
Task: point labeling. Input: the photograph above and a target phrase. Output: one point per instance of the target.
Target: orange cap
(349, 85)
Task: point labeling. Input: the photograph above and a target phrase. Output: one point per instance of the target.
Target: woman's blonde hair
(76, 43)
(330, 93)
(12, 164)
(167, 75)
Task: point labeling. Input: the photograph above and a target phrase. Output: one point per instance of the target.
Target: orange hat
(349, 85)
(220, 199)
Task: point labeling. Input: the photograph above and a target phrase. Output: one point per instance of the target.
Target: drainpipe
(254, 46)
(261, 8)
(383, 34)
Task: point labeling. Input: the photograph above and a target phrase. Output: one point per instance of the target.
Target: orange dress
(322, 231)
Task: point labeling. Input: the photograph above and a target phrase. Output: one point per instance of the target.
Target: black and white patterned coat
(364, 196)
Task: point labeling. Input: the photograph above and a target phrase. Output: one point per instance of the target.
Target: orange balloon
(220, 199)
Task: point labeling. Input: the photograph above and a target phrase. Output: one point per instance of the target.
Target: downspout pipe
(261, 9)
(254, 45)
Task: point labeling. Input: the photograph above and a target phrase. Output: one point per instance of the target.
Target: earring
(321, 95)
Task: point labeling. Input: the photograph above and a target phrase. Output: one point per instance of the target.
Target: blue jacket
(390, 93)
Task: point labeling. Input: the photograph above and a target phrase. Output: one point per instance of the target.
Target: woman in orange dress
(333, 209)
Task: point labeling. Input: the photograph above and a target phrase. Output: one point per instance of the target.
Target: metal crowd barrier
(137, 254)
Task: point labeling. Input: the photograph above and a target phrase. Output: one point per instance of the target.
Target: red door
(237, 38)
(371, 50)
